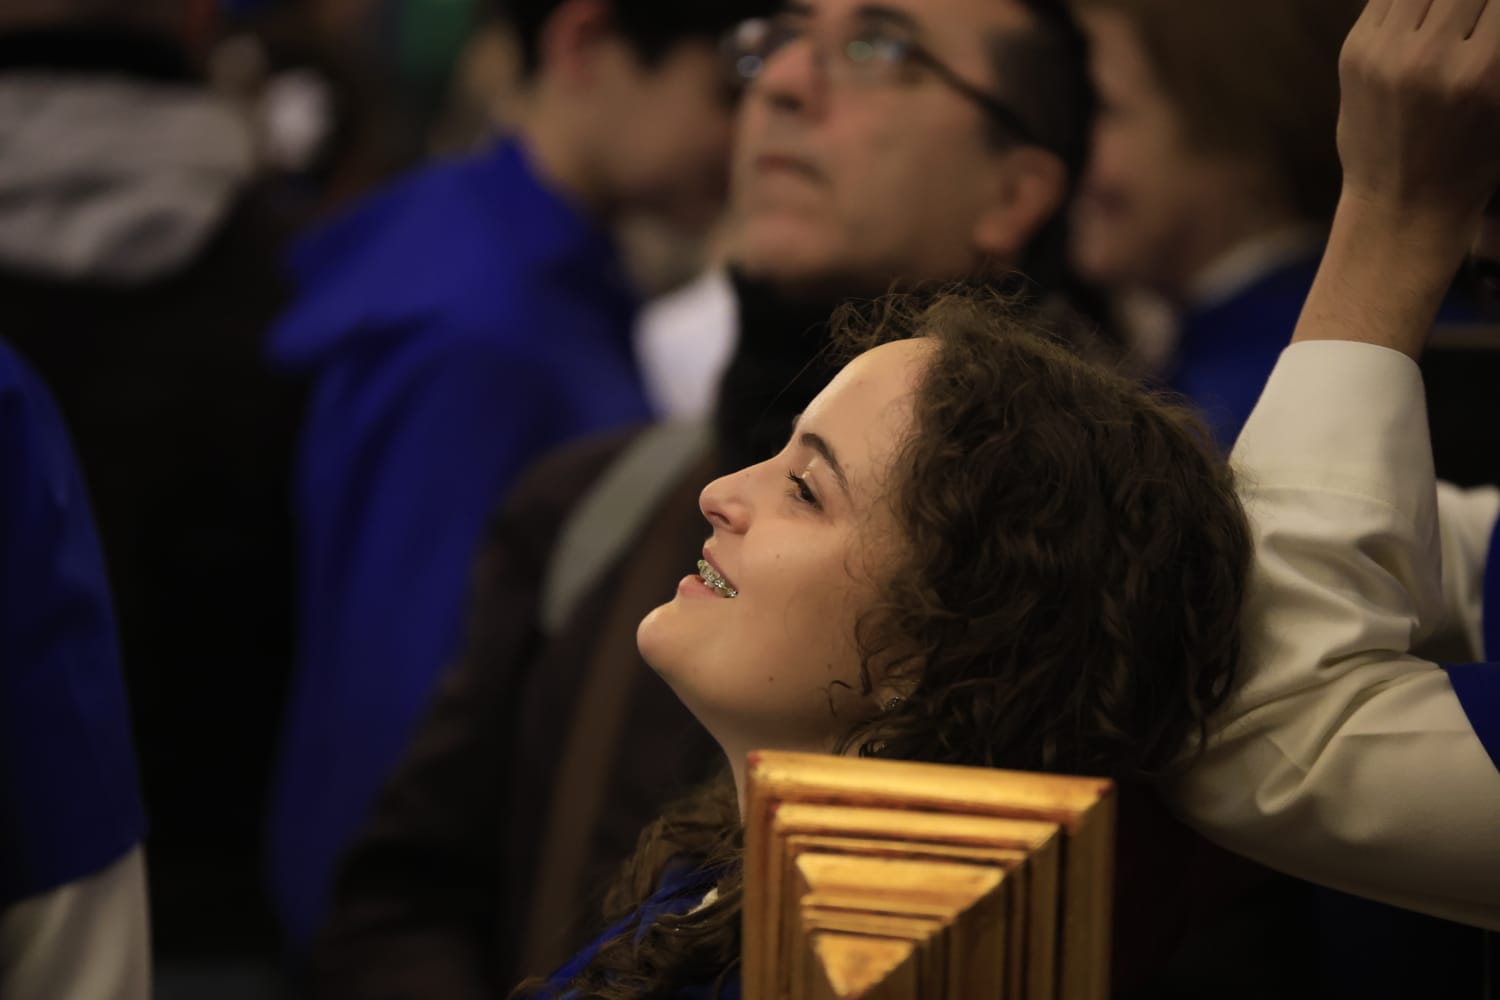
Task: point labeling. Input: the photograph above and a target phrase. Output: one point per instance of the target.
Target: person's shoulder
(28, 413)
(11, 370)
(419, 241)
(449, 207)
(525, 528)
(16, 375)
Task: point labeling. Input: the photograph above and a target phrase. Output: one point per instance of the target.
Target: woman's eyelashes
(801, 492)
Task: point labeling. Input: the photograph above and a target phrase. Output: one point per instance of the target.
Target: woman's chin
(659, 637)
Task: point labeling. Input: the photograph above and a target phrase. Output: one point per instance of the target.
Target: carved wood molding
(893, 880)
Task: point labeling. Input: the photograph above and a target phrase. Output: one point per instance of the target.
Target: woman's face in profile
(801, 542)
(1150, 205)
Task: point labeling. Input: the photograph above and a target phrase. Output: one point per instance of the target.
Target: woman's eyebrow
(818, 444)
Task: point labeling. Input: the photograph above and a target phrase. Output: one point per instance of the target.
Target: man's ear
(1030, 188)
(570, 41)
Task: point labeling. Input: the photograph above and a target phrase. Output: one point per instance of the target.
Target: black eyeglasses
(868, 54)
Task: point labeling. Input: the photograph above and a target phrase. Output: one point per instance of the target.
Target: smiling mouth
(711, 576)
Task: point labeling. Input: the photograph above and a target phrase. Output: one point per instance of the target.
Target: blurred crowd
(361, 364)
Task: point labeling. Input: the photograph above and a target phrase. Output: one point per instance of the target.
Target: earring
(892, 703)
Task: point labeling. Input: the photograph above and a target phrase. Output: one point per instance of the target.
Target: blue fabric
(680, 892)
(70, 801)
(454, 327)
(1489, 615)
(1478, 684)
(1478, 688)
(1226, 351)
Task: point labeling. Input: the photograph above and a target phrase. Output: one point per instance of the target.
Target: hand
(1419, 125)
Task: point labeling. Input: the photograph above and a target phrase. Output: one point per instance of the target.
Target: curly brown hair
(1068, 599)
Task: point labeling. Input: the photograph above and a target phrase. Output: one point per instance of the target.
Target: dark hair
(1075, 561)
(653, 27)
(1067, 597)
(1042, 71)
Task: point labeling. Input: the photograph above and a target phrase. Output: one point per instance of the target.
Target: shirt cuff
(1344, 416)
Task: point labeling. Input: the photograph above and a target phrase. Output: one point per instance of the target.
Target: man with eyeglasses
(883, 143)
(909, 141)
(1344, 757)
(835, 169)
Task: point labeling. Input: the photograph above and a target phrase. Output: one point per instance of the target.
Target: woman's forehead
(864, 415)
(873, 380)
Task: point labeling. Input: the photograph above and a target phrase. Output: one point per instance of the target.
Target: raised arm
(1419, 138)
(1343, 757)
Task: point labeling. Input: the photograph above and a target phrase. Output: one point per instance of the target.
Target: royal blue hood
(413, 252)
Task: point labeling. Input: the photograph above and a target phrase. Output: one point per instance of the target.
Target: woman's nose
(724, 502)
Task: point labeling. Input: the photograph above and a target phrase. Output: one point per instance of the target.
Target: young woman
(975, 549)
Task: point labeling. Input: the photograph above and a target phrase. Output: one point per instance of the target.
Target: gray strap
(611, 513)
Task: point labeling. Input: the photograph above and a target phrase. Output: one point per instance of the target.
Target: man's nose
(789, 80)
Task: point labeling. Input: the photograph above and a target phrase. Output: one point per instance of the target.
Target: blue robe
(454, 328)
(70, 801)
(1227, 349)
(1478, 684)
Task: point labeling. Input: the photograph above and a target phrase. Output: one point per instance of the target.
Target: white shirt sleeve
(1466, 521)
(1341, 757)
(87, 940)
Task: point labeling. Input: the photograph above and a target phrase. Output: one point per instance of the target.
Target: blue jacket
(70, 801)
(454, 327)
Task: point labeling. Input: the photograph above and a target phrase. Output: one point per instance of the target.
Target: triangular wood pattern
(1000, 881)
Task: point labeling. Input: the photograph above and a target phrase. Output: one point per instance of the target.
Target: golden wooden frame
(893, 880)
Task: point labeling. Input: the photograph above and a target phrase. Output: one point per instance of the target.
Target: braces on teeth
(711, 577)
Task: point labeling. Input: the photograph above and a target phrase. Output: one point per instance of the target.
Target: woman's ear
(570, 40)
(1031, 186)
